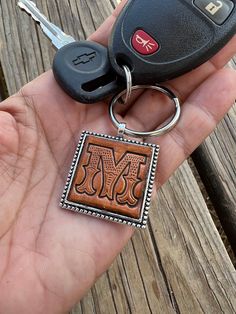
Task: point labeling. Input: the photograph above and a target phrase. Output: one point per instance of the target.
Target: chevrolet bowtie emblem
(84, 58)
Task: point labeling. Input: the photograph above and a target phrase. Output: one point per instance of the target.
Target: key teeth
(54, 33)
(24, 7)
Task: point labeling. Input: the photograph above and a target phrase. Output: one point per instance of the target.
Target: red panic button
(143, 43)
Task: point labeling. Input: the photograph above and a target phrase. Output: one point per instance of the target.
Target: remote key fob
(162, 39)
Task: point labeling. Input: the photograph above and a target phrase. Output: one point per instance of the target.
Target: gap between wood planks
(212, 211)
(3, 86)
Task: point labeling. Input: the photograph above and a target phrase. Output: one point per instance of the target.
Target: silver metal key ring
(129, 84)
(158, 132)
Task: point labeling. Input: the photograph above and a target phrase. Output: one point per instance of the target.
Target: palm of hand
(50, 257)
(49, 248)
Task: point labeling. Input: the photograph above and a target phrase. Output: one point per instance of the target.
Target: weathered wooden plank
(179, 264)
(190, 249)
(216, 162)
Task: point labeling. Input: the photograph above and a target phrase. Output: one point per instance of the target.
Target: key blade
(60, 40)
(56, 35)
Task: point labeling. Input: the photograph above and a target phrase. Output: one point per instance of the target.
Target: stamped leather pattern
(111, 176)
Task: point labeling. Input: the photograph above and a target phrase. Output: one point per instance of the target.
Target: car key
(81, 68)
(160, 40)
(120, 190)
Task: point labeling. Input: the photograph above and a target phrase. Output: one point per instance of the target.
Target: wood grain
(179, 265)
(187, 243)
(216, 162)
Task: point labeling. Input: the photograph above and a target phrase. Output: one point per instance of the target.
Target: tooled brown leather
(111, 175)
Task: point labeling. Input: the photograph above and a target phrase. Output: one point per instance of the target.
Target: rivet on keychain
(113, 177)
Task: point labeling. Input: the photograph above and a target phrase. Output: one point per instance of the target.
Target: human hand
(51, 257)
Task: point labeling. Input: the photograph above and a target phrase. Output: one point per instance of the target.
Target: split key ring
(158, 132)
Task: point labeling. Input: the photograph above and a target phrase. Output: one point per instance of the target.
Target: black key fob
(83, 71)
(162, 39)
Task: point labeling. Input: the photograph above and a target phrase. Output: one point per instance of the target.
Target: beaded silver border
(99, 213)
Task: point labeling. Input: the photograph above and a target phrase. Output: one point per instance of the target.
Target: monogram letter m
(127, 167)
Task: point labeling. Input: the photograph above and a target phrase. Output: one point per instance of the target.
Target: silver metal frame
(99, 213)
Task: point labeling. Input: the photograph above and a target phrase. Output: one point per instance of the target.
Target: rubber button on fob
(143, 43)
(217, 10)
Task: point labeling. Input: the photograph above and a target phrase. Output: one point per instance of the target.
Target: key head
(83, 71)
(160, 40)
